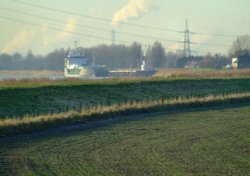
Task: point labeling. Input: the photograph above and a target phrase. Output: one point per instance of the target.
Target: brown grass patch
(201, 73)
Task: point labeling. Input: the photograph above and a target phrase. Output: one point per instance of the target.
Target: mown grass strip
(29, 123)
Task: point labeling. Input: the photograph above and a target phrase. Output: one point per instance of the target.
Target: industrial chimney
(113, 36)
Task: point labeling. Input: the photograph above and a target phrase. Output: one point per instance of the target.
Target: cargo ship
(77, 65)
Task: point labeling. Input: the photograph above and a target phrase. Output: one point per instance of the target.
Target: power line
(101, 19)
(75, 33)
(95, 18)
(104, 30)
(57, 29)
(209, 44)
(129, 24)
(65, 31)
(215, 35)
(85, 26)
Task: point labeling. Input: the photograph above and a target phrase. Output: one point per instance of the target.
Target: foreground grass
(210, 142)
(43, 96)
(34, 123)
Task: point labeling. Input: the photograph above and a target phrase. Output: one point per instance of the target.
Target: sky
(45, 25)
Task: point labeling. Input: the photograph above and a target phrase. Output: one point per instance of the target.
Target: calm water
(18, 77)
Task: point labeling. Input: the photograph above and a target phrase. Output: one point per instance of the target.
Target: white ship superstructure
(77, 65)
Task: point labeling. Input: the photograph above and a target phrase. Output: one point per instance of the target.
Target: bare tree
(157, 55)
(240, 46)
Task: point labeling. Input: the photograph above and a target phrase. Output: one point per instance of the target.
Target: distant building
(244, 61)
(145, 66)
(241, 62)
(192, 64)
(235, 62)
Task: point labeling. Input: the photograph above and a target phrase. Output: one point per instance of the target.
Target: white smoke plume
(20, 41)
(134, 9)
(40, 40)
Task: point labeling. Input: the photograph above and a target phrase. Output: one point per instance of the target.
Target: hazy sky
(90, 23)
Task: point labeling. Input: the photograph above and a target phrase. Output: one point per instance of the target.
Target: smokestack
(113, 36)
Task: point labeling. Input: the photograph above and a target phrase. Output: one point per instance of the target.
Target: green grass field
(204, 142)
(35, 97)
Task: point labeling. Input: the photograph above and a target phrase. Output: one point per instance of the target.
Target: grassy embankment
(36, 97)
(210, 142)
(105, 98)
(34, 123)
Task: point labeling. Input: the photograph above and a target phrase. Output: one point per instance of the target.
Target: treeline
(114, 57)
(52, 61)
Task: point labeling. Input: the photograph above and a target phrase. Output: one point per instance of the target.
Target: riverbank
(42, 96)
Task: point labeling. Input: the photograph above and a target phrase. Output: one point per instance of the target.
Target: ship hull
(84, 73)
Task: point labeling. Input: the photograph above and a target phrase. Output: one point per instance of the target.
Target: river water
(19, 77)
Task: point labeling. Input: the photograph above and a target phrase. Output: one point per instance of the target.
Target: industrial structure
(241, 62)
(113, 36)
(186, 50)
